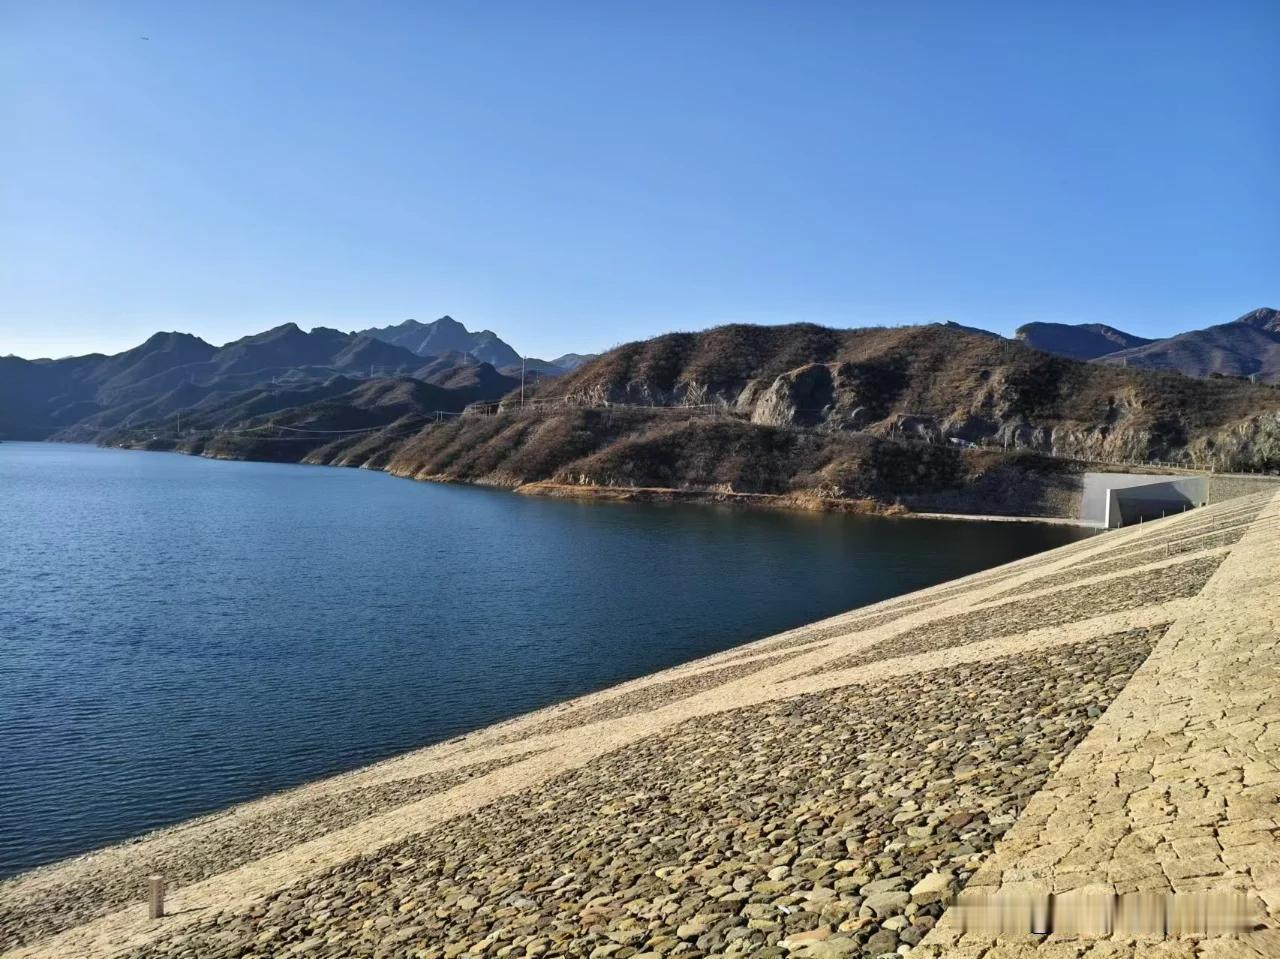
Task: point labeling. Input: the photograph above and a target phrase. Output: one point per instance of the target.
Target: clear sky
(575, 175)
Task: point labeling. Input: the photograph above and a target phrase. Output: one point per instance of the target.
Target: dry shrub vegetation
(802, 409)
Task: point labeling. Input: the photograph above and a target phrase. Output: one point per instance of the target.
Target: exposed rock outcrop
(940, 384)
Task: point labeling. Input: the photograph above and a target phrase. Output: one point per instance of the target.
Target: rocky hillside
(291, 421)
(661, 453)
(927, 418)
(393, 425)
(175, 373)
(936, 383)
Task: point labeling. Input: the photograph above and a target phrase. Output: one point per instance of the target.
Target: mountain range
(797, 410)
(1247, 347)
(934, 417)
(447, 335)
(81, 397)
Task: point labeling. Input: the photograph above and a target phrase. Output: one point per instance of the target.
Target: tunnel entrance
(1122, 499)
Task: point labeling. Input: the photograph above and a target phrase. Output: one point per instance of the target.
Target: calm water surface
(178, 634)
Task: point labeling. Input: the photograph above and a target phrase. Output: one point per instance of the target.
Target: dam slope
(1104, 716)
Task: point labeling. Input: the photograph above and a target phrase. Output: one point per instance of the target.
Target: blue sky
(575, 175)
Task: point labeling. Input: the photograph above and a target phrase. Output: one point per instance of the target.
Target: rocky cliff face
(1254, 439)
(940, 384)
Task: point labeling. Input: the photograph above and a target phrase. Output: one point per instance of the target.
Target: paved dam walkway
(1104, 716)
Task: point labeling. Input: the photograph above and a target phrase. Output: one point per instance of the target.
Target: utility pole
(522, 360)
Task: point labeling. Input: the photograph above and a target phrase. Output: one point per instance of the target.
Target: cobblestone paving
(883, 614)
(863, 623)
(1053, 609)
(1171, 548)
(773, 807)
(643, 699)
(797, 643)
(205, 848)
(942, 595)
(987, 580)
(1119, 561)
(1199, 528)
(820, 633)
(847, 625)
(1176, 790)
(1189, 535)
(808, 817)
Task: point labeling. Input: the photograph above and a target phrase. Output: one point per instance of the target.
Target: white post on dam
(157, 897)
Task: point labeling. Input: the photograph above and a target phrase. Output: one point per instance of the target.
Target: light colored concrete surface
(1051, 520)
(1103, 491)
(1177, 788)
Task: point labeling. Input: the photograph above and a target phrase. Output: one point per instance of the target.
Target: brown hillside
(933, 382)
(931, 418)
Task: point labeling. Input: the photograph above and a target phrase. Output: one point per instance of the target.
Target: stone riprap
(1053, 609)
(810, 814)
(1142, 557)
(208, 846)
(827, 792)
(643, 699)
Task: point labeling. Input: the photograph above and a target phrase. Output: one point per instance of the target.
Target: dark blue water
(178, 634)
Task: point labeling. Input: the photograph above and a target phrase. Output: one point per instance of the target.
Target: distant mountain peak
(170, 338)
(1263, 318)
(275, 333)
(978, 331)
(1248, 346)
(161, 335)
(173, 370)
(447, 335)
(1081, 341)
(571, 361)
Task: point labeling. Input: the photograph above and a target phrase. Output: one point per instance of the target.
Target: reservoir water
(179, 634)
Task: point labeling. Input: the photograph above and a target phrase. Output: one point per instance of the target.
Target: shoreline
(788, 501)
(808, 501)
(508, 732)
(814, 526)
(251, 870)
